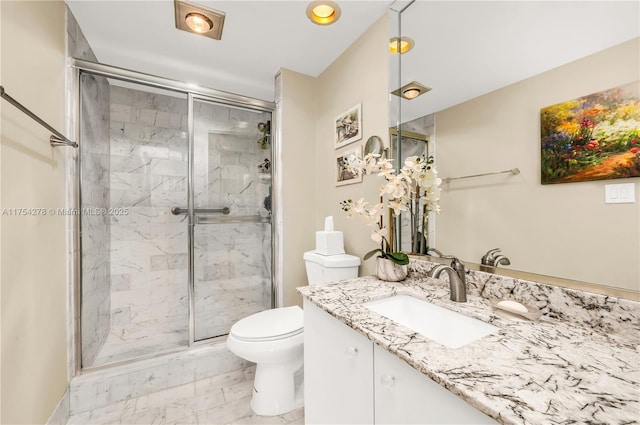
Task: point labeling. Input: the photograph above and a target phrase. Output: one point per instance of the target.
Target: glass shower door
(231, 221)
(133, 159)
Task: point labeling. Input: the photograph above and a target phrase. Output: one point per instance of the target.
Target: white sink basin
(444, 326)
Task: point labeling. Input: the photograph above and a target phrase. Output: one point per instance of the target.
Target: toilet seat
(270, 325)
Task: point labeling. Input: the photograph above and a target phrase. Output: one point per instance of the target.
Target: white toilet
(273, 340)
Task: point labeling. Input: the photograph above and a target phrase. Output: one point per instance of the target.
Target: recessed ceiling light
(411, 90)
(197, 19)
(411, 93)
(198, 22)
(400, 44)
(323, 12)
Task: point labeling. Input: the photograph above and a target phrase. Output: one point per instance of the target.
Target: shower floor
(222, 399)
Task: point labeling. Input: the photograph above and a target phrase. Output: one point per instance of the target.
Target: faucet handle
(441, 255)
(489, 257)
(494, 258)
(501, 260)
(456, 263)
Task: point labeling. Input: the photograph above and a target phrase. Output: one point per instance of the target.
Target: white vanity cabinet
(350, 380)
(338, 364)
(403, 395)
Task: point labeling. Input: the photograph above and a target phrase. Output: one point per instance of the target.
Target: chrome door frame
(192, 91)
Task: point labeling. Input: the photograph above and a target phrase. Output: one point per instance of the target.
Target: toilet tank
(330, 268)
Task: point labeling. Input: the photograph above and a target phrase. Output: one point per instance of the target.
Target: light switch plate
(622, 193)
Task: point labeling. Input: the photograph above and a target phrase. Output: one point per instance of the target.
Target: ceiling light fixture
(411, 91)
(198, 22)
(197, 19)
(323, 12)
(401, 44)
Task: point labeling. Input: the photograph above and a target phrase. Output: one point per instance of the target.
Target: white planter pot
(389, 271)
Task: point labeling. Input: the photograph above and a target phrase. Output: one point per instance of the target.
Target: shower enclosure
(175, 213)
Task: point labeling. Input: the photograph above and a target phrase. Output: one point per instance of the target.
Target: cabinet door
(338, 371)
(403, 395)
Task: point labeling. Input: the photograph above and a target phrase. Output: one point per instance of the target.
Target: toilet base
(279, 379)
(277, 389)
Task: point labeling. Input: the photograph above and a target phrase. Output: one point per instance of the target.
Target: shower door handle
(178, 210)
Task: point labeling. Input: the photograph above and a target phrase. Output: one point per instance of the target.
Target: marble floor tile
(222, 399)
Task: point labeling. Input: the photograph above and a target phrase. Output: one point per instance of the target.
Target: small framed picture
(348, 126)
(343, 175)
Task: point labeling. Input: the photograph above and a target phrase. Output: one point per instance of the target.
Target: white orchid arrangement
(416, 183)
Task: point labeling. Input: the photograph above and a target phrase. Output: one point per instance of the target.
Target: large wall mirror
(491, 67)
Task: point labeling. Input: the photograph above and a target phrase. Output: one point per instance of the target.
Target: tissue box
(329, 242)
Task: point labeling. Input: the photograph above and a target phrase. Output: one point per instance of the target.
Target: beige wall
(359, 75)
(34, 288)
(297, 123)
(561, 230)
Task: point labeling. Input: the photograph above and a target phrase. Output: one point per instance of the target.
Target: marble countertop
(546, 371)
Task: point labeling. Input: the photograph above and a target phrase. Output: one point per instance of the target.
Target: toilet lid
(277, 323)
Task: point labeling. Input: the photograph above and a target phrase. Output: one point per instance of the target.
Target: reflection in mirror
(487, 114)
(394, 19)
(375, 146)
(409, 144)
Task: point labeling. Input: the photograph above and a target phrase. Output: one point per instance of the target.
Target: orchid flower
(417, 179)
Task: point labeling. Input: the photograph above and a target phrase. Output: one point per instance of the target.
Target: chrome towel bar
(178, 210)
(56, 139)
(232, 219)
(513, 171)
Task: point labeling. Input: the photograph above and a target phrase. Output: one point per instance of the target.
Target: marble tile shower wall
(232, 260)
(95, 166)
(148, 244)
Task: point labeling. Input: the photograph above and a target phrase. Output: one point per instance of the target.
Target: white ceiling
(463, 48)
(468, 48)
(259, 38)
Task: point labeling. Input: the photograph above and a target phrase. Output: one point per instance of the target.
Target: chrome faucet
(457, 276)
(488, 258)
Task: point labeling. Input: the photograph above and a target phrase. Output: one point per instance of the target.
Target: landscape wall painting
(595, 137)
